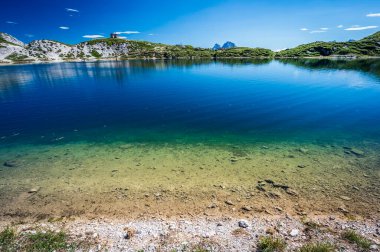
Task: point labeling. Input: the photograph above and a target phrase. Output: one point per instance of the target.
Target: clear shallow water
(185, 101)
(111, 133)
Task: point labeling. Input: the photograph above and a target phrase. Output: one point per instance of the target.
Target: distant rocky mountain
(228, 45)
(216, 47)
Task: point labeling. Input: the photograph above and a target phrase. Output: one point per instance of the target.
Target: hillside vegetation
(368, 46)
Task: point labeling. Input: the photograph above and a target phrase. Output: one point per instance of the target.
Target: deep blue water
(191, 101)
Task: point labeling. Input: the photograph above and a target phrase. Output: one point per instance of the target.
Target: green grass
(16, 57)
(107, 41)
(95, 54)
(47, 241)
(317, 247)
(7, 239)
(39, 241)
(271, 244)
(360, 241)
(244, 52)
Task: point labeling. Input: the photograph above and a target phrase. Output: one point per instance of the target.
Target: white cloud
(279, 50)
(373, 15)
(10, 22)
(71, 10)
(360, 28)
(64, 27)
(122, 37)
(128, 32)
(93, 36)
(29, 35)
(339, 26)
(317, 31)
(324, 28)
(304, 29)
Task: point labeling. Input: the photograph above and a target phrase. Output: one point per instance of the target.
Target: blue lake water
(119, 133)
(183, 101)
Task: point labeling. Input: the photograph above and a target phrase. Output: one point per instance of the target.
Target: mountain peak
(8, 39)
(228, 45)
(216, 47)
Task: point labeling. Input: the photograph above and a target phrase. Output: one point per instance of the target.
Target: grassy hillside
(368, 46)
(244, 52)
(149, 50)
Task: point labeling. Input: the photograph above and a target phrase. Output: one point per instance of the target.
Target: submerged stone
(345, 198)
(285, 187)
(34, 190)
(10, 164)
(228, 202)
(303, 150)
(260, 188)
(357, 152)
(269, 181)
(291, 192)
(213, 205)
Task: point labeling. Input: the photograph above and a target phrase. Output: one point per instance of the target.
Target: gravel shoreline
(220, 234)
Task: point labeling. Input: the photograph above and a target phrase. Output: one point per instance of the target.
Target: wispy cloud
(64, 27)
(122, 37)
(304, 29)
(339, 26)
(151, 34)
(93, 36)
(279, 50)
(71, 10)
(318, 31)
(128, 32)
(324, 28)
(29, 35)
(360, 28)
(10, 22)
(373, 15)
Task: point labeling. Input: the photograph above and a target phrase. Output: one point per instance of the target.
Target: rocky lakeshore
(258, 233)
(129, 213)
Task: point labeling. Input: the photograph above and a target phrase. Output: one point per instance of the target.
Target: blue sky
(271, 24)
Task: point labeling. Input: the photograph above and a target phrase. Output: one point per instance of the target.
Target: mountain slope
(368, 46)
(10, 40)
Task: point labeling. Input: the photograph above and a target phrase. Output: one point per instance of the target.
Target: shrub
(270, 244)
(360, 241)
(317, 247)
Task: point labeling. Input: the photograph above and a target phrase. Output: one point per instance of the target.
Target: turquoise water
(190, 101)
(177, 136)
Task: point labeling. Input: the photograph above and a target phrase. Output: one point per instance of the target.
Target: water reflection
(13, 76)
(370, 66)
